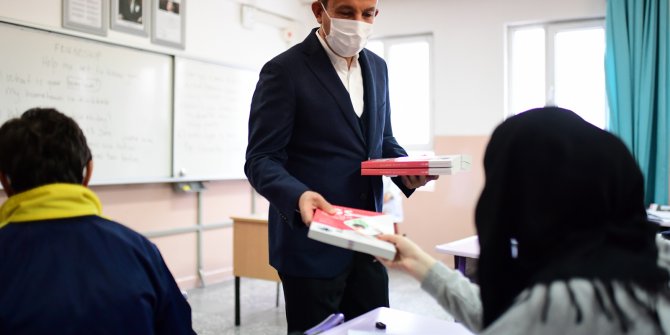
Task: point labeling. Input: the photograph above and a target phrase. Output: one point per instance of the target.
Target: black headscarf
(572, 196)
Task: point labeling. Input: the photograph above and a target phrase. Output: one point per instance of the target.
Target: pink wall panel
(156, 207)
(223, 199)
(447, 213)
(431, 217)
(179, 252)
(148, 207)
(217, 246)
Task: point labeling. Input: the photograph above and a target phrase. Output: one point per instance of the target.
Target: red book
(443, 161)
(426, 171)
(354, 229)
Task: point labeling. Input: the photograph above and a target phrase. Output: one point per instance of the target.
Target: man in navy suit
(319, 109)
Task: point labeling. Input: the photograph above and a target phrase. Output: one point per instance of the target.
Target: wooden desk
(251, 254)
(464, 249)
(461, 250)
(398, 323)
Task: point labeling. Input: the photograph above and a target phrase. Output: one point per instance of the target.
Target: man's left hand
(413, 182)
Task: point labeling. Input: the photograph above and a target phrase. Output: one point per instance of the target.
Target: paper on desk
(663, 216)
(362, 332)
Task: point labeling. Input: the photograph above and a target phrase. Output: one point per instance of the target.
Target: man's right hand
(309, 202)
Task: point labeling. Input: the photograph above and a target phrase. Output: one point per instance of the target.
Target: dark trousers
(361, 288)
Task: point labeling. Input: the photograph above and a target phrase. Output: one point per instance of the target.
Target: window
(558, 64)
(410, 86)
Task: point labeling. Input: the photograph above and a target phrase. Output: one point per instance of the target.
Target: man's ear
(88, 172)
(6, 186)
(317, 9)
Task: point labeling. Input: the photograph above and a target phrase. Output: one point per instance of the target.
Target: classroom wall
(213, 32)
(213, 29)
(469, 50)
(469, 103)
(469, 64)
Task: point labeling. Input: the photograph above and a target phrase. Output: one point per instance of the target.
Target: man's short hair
(42, 147)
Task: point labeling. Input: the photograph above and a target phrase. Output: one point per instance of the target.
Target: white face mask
(347, 37)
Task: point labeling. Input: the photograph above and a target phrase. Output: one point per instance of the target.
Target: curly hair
(41, 147)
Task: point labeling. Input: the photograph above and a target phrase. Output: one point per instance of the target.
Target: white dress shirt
(351, 77)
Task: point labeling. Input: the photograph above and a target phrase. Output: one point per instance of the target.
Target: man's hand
(413, 182)
(309, 202)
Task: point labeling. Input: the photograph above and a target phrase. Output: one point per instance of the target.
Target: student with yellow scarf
(64, 268)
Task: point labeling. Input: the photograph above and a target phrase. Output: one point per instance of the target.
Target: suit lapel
(369, 96)
(323, 69)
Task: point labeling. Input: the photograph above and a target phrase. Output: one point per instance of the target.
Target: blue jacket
(304, 135)
(86, 275)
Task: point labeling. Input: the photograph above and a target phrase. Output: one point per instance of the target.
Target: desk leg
(237, 301)
(459, 262)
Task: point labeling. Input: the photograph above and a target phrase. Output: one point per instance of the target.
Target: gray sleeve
(663, 246)
(456, 294)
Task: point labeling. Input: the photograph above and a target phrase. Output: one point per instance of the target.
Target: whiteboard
(121, 97)
(212, 104)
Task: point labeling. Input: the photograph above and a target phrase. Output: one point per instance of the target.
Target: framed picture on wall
(130, 16)
(89, 16)
(168, 23)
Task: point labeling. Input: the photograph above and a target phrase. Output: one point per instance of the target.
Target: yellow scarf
(53, 201)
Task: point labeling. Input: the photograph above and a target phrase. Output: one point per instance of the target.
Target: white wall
(213, 29)
(469, 46)
(469, 79)
(220, 34)
(469, 42)
(213, 32)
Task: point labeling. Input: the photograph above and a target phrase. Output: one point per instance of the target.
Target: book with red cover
(354, 229)
(426, 171)
(416, 165)
(442, 161)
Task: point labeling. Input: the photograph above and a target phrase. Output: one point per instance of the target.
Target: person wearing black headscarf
(588, 261)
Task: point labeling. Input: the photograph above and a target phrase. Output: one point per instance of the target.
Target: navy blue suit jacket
(304, 135)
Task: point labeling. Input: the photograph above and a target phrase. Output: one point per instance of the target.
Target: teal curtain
(637, 62)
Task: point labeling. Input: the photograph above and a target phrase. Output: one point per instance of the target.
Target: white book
(660, 217)
(354, 229)
(417, 165)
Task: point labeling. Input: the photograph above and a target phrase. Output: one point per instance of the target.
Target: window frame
(551, 29)
(387, 42)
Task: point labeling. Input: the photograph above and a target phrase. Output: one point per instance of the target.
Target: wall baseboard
(215, 276)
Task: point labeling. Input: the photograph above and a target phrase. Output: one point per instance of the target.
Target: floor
(214, 306)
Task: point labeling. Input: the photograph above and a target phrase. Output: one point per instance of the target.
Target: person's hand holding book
(409, 257)
(309, 201)
(413, 182)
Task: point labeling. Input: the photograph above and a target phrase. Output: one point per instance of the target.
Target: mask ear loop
(324, 9)
(329, 18)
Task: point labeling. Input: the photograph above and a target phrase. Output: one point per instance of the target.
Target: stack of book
(415, 165)
(659, 214)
